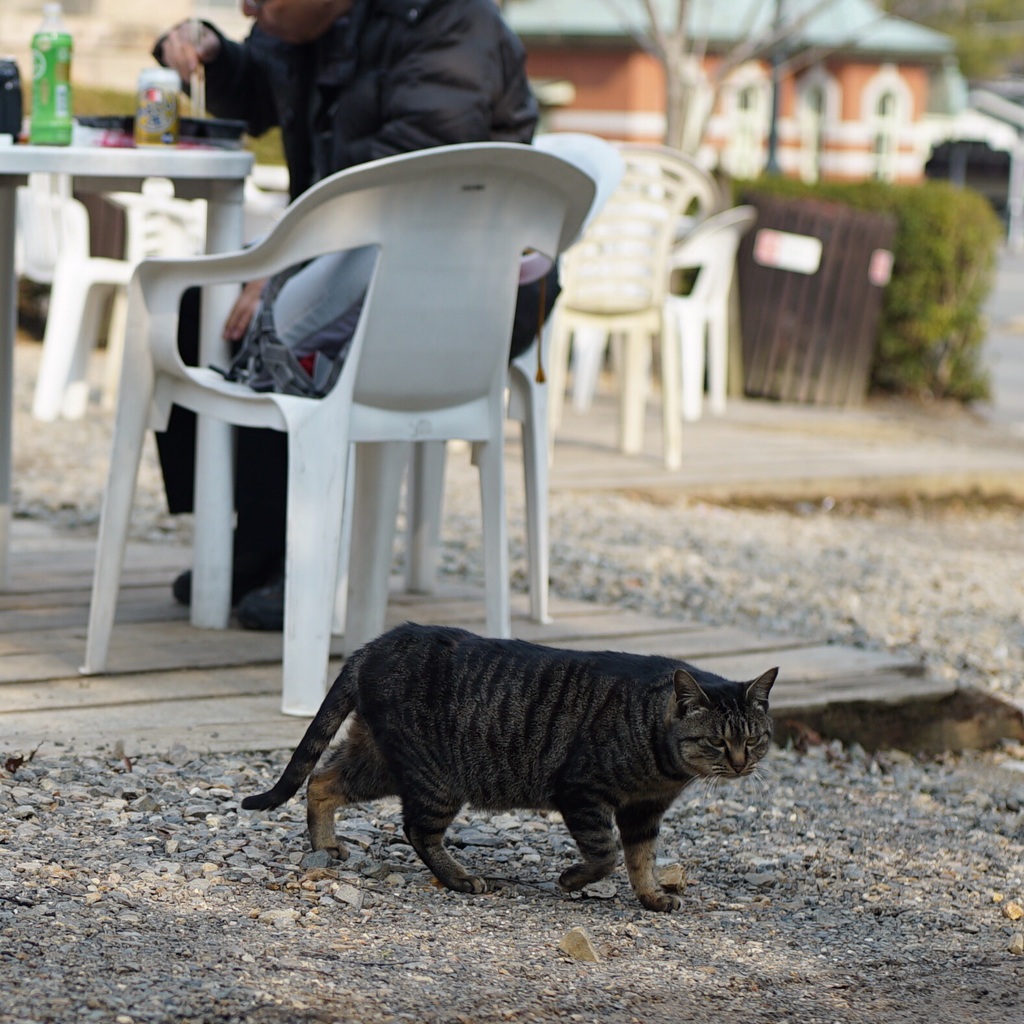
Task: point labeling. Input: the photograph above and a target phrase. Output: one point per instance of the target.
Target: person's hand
(188, 45)
(243, 311)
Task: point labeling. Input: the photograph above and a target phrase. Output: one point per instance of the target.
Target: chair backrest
(620, 266)
(599, 158)
(702, 193)
(450, 225)
(157, 223)
(445, 288)
(712, 247)
(50, 224)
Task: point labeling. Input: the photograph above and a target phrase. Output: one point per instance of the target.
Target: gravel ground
(851, 888)
(847, 888)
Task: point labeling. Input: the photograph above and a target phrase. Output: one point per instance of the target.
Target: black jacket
(393, 76)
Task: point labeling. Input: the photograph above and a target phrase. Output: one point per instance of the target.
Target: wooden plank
(220, 689)
(191, 685)
(253, 723)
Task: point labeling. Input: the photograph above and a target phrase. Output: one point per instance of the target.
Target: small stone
(1017, 944)
(605, 889)
(279, 918)
(475, 837)
(672, 877)
(315, 859)
(1013, 910)
(578, 945)
(348, 894)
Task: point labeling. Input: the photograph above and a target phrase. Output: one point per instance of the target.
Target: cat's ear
(758, 690)
(688, 692)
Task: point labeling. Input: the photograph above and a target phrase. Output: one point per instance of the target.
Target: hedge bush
(932, 327)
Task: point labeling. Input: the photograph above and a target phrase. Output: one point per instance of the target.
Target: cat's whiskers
(763, 779)
(708, 788)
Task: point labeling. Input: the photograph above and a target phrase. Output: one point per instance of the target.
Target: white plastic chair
(156, 223)
(44, 223)
(698, 322)
(428, 362)
(615, 281)
(527, 404)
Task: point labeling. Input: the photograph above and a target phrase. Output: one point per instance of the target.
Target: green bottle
(51, 81)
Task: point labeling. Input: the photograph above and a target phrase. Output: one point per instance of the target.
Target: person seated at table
(347, 81)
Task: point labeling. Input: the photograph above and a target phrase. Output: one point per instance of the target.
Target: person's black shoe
(242, 582)
(263, 608)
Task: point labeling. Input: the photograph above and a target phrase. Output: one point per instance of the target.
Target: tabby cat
(444, 718)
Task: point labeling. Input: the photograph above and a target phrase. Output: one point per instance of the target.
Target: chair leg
(126, 451)
(378, 485)
(588, 348)
(534, 417)
(341, 583)
(636, 369)
(115, 350)
(672, 383)
(213, 543)
(489, 458)
(691, 344)
(425, 498)
(557, 370)
(718, 358)
(71, 325)
(316, 485)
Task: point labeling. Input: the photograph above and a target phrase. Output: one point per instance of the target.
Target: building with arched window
(860, 94)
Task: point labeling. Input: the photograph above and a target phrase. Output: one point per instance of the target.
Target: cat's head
(721, 729)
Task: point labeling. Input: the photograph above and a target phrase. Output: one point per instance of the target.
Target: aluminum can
(10, 98)
(156, 109)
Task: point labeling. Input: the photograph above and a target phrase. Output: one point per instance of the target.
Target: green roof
(856, 25)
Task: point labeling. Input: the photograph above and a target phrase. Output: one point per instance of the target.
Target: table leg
(8, 324)
(214, 481)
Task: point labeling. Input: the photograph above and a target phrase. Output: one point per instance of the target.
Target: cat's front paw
(473, 884)
(665, 902)
(574, 878)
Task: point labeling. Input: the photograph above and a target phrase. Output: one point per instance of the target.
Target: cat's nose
(737, 756)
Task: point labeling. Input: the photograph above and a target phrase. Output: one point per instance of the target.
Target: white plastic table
(217, 176)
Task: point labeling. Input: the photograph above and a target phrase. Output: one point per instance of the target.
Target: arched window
(885, 136)
(745, 151)
(812, 129)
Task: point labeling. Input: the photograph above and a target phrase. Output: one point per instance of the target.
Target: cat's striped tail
(337, 706)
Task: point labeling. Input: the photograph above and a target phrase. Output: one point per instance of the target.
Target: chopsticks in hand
(197, 83)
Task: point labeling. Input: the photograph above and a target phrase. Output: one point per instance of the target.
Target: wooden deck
(214, 690)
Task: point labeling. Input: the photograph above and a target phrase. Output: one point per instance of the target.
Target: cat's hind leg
(425, 826)
(591, 827)
(355, 772)
(639, 825)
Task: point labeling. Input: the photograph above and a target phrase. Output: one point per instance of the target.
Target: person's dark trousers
(261, 470)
